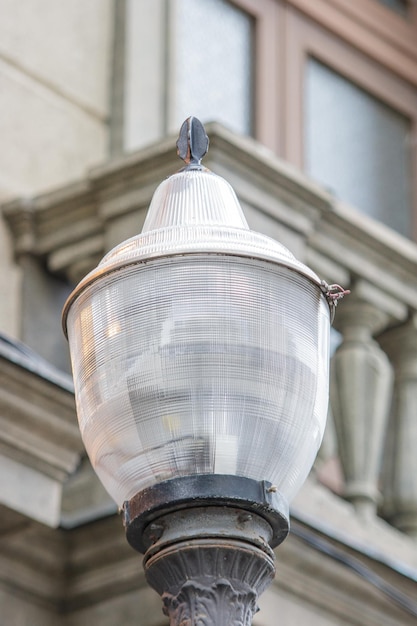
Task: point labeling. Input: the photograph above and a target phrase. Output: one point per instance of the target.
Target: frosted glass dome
(199, 347)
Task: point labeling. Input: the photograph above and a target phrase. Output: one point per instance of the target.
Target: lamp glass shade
(200, 363)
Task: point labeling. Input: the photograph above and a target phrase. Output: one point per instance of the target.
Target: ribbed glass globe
(199, 347)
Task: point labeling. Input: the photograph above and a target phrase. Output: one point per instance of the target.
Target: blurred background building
(311, 109)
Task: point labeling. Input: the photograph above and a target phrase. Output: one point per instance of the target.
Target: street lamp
(200, 358)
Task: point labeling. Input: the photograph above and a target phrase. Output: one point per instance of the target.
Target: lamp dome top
(194, 211)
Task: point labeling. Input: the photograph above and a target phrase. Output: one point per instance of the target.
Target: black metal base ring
(204, 490)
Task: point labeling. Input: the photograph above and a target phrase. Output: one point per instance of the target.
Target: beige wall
(16, 612)
(53, 117)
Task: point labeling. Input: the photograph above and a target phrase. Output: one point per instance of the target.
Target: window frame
(374, 29)
(306, 41)
(365, 26)
(268, 69)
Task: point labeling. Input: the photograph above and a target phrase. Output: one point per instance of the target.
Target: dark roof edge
(21, 355)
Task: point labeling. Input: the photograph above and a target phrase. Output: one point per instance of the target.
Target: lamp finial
(192, 142)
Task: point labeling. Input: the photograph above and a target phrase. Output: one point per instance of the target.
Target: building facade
(310, 106)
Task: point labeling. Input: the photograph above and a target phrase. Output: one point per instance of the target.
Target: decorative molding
(218, 604)
(73, 227)
(40, 444)
(210, 564)
(67, 571)
(361, 385)
(325, 586)
(400, 468)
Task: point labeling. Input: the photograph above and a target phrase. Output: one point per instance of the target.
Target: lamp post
(199, 351)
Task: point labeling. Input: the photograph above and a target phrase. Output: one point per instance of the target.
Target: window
(212, 73)
(358, 146)
(351, 119)
(185, 57)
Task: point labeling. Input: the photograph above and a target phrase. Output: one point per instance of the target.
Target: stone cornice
(92, 564)
(39, 424)
(323, 582)
(72, 227)
(40, 444)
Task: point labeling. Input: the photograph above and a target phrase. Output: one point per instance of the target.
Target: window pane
(358, 147)
(399, 6)
(182, 58)
(213, 64)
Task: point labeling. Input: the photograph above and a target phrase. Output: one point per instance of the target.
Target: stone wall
(53, 117)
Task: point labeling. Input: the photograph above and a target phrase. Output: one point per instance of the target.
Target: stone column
(400, 464)
(361, 386)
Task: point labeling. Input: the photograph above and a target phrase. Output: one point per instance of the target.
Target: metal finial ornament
(192, 142)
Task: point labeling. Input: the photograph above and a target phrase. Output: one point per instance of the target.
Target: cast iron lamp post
(200, 357)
